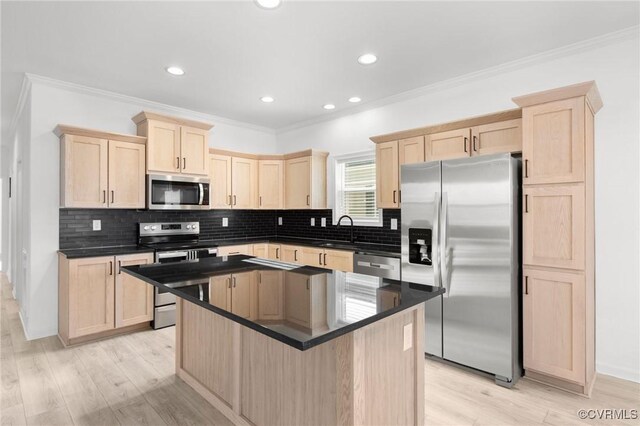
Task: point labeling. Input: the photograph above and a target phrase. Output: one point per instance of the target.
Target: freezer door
(420, 192)
(479, 262)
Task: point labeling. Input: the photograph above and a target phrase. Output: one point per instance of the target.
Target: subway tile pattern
(120, 227)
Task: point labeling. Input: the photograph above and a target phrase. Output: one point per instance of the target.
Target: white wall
(614, 65)
(52, 104)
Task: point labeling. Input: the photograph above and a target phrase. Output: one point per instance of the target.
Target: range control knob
(153, 228)
(146, 228)
(188, 226)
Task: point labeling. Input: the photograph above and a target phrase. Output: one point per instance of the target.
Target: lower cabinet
(554, 318)
(274, 252)
(270, 301)
(94, 297)
(261, 250)
(291, 254)
(234, 293)
(246, 249)
(310, 295)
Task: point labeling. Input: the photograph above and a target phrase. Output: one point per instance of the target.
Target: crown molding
(549, 55)
(25, 91)
(144, 103)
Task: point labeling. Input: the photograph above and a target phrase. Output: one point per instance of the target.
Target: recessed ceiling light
(354, 99)
(267, 99)
(367, 59)
(175, 70)
(268, 4)
(329, 106)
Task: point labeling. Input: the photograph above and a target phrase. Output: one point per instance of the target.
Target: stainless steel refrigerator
(460, 230)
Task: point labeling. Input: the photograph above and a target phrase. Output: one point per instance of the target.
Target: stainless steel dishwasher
(377, 266)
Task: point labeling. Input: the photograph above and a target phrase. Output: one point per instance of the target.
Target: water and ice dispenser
(420, 246)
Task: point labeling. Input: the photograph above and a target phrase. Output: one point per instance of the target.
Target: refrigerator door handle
(446, 282)
(435, 256)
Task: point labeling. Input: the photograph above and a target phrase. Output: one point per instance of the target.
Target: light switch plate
(313, 221)
(394, 223)
(408, 337)
(323, 222)
(225, 222)
(97, 225)
(279, 221)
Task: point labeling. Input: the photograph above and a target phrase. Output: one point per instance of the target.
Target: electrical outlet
(279, 220)
(408, 336)
(323, 222)
(97, 225)
(394, 224)
(313, 221)
(225, 222)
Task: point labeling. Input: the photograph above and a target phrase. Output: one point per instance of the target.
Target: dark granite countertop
(317, 305)
(104, 251)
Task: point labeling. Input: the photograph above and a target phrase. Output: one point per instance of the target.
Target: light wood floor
(129, 380)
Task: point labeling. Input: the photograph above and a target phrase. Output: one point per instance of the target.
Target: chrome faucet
(348, 217)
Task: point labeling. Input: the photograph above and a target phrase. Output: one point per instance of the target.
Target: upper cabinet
(174, 145)
(234, 181)
(100, 169)
(220, 185)
(488, 134)
(306, 180)
(271, 184)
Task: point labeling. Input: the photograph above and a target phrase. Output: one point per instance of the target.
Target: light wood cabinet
(174, 145)
(554, 321)
(555, 136)
(387, 183)
(270, 295)
(246, 249)
(554, 226)
(96, 172)
(291, 254)
(411, 150)
(244, 183)
(311, 256)
(241, 291)
(261, 250)
(339, 260)
(306, 181)
(387, 298)
(305, 300)
(133, 297)
(95, 299)
(447, 145)
(271, 184)
(220, 291)
(503, 136)
(220, 185)
(275, 252)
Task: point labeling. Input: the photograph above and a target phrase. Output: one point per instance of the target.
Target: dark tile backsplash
(120, 227)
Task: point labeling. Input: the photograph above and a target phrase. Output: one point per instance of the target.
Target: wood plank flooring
(129, 380)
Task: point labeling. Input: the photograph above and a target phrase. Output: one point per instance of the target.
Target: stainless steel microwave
(173, 192)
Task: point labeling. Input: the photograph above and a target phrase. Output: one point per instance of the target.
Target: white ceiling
(303, 53)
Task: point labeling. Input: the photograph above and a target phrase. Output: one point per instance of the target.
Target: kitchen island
(269, 343)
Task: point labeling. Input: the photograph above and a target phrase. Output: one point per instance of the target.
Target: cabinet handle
(526, 284)
(235, 200)
(295, 255)
(325, 259)
(320, 258)
(234, 282)
(277, 253)
(110, 268)
(394, 196)
(234, 252)
(119, 267)
(308, 200)
(104, 196)
(260, 200)
(113, 196)
(526, 203)
(399, 195)
(526, 168)
(475, 146)
(178, 163)
(229, 199)
(464, 144)
(184, 163)
(307, 283)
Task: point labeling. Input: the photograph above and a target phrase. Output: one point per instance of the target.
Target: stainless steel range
(173, 242)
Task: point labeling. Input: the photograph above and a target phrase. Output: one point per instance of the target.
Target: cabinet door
(270, 295)
(194, 149)
(271, 184)
(446, 145)
(297, 297)
(91, 295)
(261, 250)
(505, 136)
(126, 175)
(163, 147)
(220, 291)
(220, 176)
(244, 182)
(311, 256)
(291, 254)
(554, 226)
(298, 183)
(339, 260)
(241, 290)
(134, 297)
(387, 298)
(246, 249)
(84, 173)
(411, 150)
(554, 323)
(553, 142)
(275, 252)
(387, 183)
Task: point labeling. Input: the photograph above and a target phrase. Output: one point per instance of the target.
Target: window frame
(336, 184)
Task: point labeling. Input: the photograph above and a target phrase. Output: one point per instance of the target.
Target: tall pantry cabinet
(558, 235)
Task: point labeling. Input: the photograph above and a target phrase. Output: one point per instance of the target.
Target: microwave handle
(201, 186)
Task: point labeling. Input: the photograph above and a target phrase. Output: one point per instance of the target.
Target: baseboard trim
(619, 372)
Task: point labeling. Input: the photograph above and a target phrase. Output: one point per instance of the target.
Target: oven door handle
(170, 254)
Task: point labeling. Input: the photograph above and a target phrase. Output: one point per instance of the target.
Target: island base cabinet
(256, 380)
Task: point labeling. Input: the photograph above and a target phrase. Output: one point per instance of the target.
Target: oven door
(166, 192)
(172, 256)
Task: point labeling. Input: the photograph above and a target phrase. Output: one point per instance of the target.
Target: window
(355, 189)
